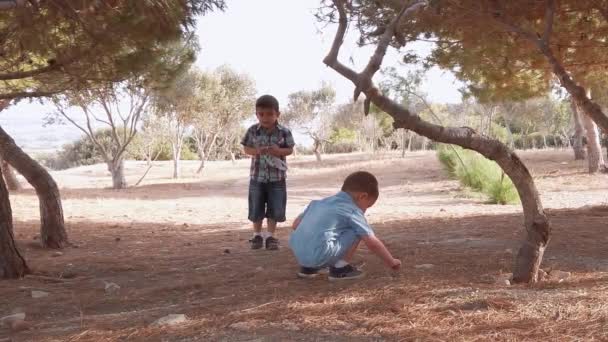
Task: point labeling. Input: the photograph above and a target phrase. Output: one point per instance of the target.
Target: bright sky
(277, 42)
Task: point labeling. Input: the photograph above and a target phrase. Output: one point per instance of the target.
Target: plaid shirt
(267, 168)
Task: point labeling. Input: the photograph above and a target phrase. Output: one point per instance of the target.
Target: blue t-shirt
(328, 227)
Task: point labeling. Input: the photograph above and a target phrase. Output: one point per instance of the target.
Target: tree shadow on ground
(230, 292)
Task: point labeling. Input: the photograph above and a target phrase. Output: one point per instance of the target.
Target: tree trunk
(578, 93)
(177, 153)
(409, 142)
(117, 169)
(10, 177)
(12, 264)
(537, 224)
(579, 131)
(203, 157)
(509, 132)
(403, 141)
(317, 150)
(52, 228)
(594, 147)
(233, 157)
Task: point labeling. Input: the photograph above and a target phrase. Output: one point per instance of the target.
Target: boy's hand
(262, 150)
(274, 150)
(396, 265)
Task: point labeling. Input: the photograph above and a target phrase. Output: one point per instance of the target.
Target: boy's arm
(280, 151)
(249, 146)
(296, 222)
(252, 151)
(286, 147)
(378, 248)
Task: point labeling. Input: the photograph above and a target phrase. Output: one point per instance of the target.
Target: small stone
(172, 319)
(424, 266)
(36, 237)
(56, 254)
(186, 225)
(442, 210)
(117, 239)
(188, 243)
(509, 251)
(259, 268)
(226, 251)
(39, 294)
(111, 287)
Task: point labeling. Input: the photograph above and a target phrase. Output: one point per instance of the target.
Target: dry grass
(182, 249)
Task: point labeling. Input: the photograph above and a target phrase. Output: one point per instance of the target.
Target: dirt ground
(180, 247)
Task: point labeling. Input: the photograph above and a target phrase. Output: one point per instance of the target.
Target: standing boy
(268, 143)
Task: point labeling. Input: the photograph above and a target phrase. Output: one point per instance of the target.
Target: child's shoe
(257, 242)
(308, 272)
(272, 243)
(344, 273)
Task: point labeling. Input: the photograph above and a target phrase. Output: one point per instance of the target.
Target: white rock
(8, 320)
(559, 275)
(259, 268)
(503, 279)
(57, 254)
(39, 294)
(172, 319)
(111, 287)
(424, 266)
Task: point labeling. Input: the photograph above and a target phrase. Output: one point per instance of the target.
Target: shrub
(478, 173)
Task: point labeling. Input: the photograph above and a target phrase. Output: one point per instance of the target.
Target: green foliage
(49, 47)
(81, 152)
(84, 152)
(448, 160)
(478, 173)
(342, 135)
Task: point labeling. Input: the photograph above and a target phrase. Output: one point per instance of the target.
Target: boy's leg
(257, 204)
(277, 201)
(348, 257)
(342, 269)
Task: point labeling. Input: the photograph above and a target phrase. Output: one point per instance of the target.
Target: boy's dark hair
(267, 101)
(361, 181)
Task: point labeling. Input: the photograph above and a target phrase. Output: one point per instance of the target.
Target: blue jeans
(267, 200)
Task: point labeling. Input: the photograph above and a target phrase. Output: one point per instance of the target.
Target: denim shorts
(267, 200)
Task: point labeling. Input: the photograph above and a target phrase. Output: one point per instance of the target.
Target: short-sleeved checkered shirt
(265, 168)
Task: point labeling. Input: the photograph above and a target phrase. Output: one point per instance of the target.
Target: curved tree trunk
(536, 221)
(10, 177)
(12, 264)
(594, 146)
(52, 228)
(117, 169)
(579, 131)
